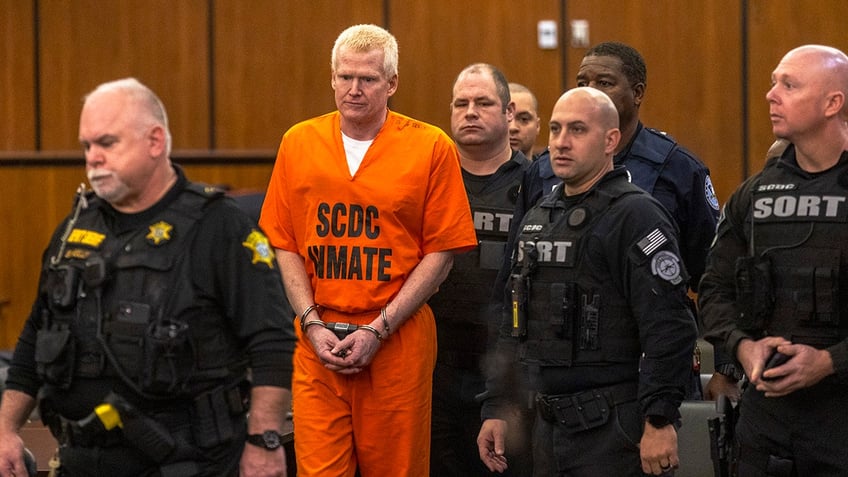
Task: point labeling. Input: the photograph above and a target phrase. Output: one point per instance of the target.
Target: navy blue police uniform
(779, 268)
(143, 331)
(466, 322)
(601, 325)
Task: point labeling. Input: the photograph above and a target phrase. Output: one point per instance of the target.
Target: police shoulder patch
(258, 243)
(666, 265)
(709, 193)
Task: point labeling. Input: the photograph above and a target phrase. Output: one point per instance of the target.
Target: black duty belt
(214, 410)
(584, 410)
(87, 432)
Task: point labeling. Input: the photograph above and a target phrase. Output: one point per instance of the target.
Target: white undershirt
(355, 151)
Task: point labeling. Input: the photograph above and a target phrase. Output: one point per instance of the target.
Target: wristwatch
(270, 440)
(730, 370)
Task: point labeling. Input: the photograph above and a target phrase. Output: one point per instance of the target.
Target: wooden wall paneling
(43, 195)
(236, 176)
(7, 271)
(162, 43)
(692, 52)
(8, 252)
(438, 38)
(17, 106)
(17, 66)
(272, 64)
(775, 27)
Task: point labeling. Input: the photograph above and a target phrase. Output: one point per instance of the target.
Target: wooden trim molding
(181, 156)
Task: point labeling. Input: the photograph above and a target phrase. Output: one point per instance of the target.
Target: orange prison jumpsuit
(361, 236)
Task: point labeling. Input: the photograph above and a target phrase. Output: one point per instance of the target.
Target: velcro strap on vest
(491, 254)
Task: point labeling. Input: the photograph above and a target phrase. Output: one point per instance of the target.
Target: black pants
(607, 450)
(797, 435)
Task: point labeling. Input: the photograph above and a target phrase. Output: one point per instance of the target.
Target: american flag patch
(652, 242)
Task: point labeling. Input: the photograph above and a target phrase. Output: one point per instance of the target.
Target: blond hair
(365, 38)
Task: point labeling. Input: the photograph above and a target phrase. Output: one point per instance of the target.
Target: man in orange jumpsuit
(366, 208)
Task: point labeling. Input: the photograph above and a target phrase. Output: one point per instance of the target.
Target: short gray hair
(144, 96)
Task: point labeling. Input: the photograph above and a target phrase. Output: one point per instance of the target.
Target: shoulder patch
(666, 265)
(709, 193)
(258, 243)
(652, 242)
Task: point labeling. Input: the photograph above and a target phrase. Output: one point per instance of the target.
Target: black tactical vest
(574, 316)
(463, 307)
(125, 306)
(800, 239)
(473, 275)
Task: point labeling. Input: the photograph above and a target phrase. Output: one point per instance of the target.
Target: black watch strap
(729, 370)
(270, 440)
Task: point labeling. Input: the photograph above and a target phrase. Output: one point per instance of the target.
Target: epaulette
(653, 150)
(205, 190)
(662, 134)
